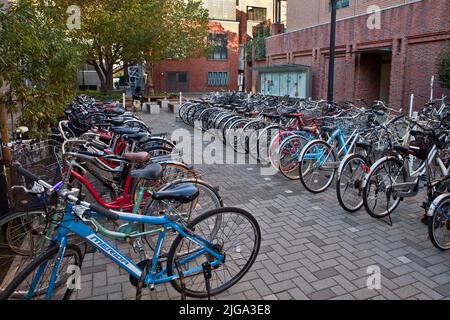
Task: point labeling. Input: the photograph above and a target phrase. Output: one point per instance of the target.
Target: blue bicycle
(319, 160)
(209, 255)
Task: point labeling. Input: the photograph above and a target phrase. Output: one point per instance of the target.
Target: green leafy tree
(123, 32)
(443, 67)
(38, 63)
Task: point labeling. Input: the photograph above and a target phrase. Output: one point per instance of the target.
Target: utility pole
(330, 95)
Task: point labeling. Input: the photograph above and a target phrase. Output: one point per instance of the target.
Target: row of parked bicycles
(375, 155)
(103, 178)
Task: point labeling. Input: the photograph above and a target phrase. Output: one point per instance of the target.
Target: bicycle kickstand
(181, 276)
(207, 274)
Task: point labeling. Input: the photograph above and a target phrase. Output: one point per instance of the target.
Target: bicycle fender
(435, 204)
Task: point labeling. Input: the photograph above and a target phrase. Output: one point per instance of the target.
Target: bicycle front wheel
(349, 182)
(39, 273)
(233, 233)
(318, 166)
(22, 238)
(439, 223)
(288, 156)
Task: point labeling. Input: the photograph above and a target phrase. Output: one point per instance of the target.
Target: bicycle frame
(71, 224)
(346, 146)
(413, 178)
(123, 202)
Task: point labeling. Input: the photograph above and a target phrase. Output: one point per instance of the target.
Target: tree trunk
(150, 87)
(109, 77)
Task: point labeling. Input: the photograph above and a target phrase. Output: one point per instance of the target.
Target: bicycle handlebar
(93, 207)
(27, 174)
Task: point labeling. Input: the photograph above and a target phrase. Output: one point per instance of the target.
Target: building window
(217, 79)
(256, 14)
(341, 4)
(182, 77)
(219, 44)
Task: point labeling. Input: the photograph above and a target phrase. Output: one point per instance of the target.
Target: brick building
(230, 23)
(388, 63)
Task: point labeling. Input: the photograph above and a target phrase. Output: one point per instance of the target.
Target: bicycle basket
(42, 158)
(421, 147)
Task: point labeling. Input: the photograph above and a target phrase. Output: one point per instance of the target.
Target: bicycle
(391, 179)
(439, 222)
(192, 257)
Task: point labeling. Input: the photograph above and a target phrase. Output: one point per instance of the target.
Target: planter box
(155, 109)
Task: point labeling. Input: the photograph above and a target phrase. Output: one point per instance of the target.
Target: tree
(118, 32)
(38, 62)
(443, 67)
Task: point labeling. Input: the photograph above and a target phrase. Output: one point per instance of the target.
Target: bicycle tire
(191, 226)
(357, 184)
(435, 214)
(11, 289)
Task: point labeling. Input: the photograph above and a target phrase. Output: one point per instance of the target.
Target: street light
(330, 95)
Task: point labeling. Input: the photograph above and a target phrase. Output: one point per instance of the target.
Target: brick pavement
(311, 248)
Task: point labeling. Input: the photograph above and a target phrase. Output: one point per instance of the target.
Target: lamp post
(330, 95)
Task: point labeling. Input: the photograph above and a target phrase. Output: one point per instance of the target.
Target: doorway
(374, 69)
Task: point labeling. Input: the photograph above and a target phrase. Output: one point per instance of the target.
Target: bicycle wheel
(232, 232)
(317, 166)
(233, 135)
(349, 182)
(377, 195)
(439, 222)
(207, 199)
(249, 135)
(22, 238)
(19, 288)
(263, 144)
(288, 156)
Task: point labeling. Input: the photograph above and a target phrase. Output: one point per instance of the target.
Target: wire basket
(43, 159)
(349, 124)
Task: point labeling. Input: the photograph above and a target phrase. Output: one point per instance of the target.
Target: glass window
(217, 79)
(182, 77)
(256, 14)
(219, 44)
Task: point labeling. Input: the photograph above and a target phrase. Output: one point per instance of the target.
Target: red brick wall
(415, 33)
(197, 69)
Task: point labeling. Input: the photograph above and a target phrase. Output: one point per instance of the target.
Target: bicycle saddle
(184, 193)
(119, 110)
(364, 145)
(135, 137)
(139, 157)
(150, 172)
(271, 116)
(328, 128)
(294, 115)
(116, 121)
(125, 130)
(401, 149)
